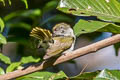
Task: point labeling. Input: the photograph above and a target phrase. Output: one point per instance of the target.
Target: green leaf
(24, 13)
(59, 76)
(5, 59)
(82, 27)
(50, 5)
(3, 1)
(25, 2)
(108, 10)
(2, 25)
(85, 76)
(117, 46)
(9, 1)
(98, 75)
(29, 59)
(1, 71)
(13, 66)
(44, 76)
(21, 25)
(2, 39)
(108, 74)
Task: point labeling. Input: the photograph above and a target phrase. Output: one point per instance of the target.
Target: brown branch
(76, 53)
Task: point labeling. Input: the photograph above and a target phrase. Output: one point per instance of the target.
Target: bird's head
(62, 29)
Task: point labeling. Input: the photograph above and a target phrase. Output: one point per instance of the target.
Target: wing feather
(60, 45)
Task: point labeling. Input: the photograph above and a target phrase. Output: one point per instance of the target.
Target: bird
(60, 40)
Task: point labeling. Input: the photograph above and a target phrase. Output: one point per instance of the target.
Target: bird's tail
(41, 34)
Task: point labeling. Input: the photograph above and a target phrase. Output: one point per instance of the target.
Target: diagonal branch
(76, 53)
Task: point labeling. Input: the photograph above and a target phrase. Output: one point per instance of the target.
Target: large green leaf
(13, 66)
(5, 59)
(2, 39)
(108, 10)
(2, 71)
(2, 24)
(82, 27)
(29, 59)
(44, 76)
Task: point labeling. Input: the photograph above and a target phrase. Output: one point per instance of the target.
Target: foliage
(19, 23)
(108, 10)
(43, 75)
(17, 65)
(5, 59)
(9, 1)
(98, 75)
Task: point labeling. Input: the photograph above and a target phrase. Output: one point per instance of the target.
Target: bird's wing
(41, 34)
(60, 45)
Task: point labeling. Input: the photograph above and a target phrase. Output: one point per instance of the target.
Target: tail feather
(41, 34)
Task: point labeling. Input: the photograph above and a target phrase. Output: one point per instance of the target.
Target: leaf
(43, 75)
(26, 3)
(21, 25)
(1, 71)
(98, 75)
(5, 59)
(29, 59)
(59, 76)
(50, 5)
(108, 74)
(118, 0)
(13, 66)
(3, 2)
(108, 10)
(2, 39)
(9, 1)
(82, 27)
(24, 13)
(117, 46)
(85, 76)
(2, 25)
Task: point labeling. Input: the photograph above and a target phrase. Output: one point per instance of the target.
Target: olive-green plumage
(60, 45)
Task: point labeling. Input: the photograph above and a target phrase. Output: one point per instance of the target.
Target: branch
(76, 53)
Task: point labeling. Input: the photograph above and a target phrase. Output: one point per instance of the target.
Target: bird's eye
(62, 31)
